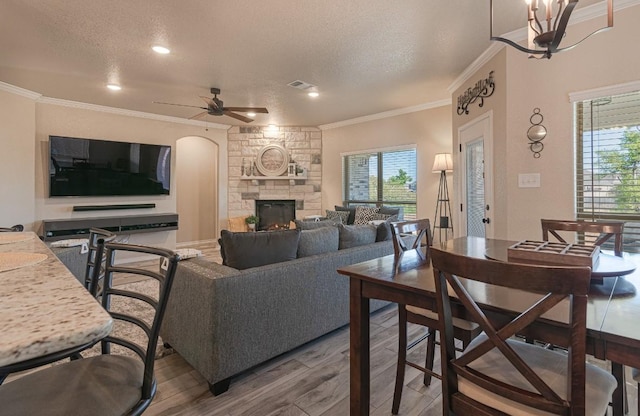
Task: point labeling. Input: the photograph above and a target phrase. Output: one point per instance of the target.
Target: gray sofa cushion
(312, 225)
(245, 250)
(383, 232)
(397, 211)
(318, 241)
(356, 235)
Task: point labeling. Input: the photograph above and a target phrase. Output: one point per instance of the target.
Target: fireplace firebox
(275, 214)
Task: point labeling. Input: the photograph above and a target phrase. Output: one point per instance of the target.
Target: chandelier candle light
(443, 163)
(545, 36)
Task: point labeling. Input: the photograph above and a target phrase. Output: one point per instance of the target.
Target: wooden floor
(311, 380)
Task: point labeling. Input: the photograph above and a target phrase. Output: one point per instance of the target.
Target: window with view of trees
(381, 178)
(608, 163)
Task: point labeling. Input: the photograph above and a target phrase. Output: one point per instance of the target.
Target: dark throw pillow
(352, 213)
(318, 241)
(245, 250)
(383, 232)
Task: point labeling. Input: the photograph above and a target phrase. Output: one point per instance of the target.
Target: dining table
(408, 279)
(44, 310)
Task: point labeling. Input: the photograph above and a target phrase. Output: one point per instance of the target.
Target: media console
(62, 229)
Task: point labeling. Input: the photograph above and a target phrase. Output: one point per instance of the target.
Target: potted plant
(251, 221)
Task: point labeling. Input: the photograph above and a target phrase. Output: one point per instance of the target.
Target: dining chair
(105, 384)
(498, 374)
(601, 232)
(605, 230)
(93, 281)
(14, 229)
(465, 331)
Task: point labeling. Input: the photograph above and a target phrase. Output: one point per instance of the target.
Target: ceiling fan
(215, 107)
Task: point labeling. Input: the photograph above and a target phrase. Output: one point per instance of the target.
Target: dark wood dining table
(611, 334)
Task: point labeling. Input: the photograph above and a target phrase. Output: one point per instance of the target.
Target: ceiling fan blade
(248, 109)
(237, 116)
(180, 105)
(199, 115)
(209, 102)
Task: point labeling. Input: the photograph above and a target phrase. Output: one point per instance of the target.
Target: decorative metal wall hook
(536, 133)
(483, 89)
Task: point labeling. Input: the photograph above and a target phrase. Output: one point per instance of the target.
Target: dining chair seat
(457, 322)
(102, 385)
(549, 364)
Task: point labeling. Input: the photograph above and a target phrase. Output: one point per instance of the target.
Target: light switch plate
(529, 180)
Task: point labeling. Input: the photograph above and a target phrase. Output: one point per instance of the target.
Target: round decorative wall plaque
(272, 160)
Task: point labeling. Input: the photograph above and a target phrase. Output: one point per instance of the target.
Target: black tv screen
(89, 167)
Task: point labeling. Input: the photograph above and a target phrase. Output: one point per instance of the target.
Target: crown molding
(387, 114)
(579, 16)
(12, 89)
(130, 113)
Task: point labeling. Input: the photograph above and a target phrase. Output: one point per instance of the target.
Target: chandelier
(545, 31)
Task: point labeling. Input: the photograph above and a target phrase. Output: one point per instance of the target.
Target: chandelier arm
(562, 26)
(602, 29)
(555, 22)
(535, 17)
(519, 47)
(533, 27)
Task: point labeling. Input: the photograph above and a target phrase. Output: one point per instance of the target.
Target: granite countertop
(44, 308)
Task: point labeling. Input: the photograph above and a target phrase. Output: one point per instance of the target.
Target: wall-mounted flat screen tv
(89, 167)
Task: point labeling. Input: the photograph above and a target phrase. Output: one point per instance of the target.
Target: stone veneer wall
(304, 145)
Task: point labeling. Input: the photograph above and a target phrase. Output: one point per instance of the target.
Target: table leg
(359, 349)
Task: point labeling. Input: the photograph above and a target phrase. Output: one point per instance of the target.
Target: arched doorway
(197, 189)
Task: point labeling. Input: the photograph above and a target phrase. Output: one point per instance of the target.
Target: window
(608, 162)
(381, 178)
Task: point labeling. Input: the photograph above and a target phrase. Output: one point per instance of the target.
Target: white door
(475, 187)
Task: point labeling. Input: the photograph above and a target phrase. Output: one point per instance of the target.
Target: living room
(521, 85)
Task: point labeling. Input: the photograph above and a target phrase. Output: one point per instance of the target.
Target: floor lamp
(442, 222)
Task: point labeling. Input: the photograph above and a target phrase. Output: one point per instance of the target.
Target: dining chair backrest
(92, 283)
(134, 315)
(542, 287)
(13, 229)
(605, 230)
(420, 229)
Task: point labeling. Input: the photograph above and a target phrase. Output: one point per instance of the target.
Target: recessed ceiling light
(313, 94)
(114, 87)
(251, 114)
(160, 49)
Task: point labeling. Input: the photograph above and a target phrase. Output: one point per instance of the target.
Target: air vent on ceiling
(301, 85)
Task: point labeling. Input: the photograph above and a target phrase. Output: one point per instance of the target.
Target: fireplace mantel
(254, 179)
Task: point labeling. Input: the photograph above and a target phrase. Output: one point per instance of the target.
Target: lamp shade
(443, 161)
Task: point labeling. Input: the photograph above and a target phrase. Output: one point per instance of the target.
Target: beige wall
(17, 129)
(429, 129)
(606, 59)
(197, 194)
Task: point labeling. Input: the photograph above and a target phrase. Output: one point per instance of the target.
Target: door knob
(486, 220)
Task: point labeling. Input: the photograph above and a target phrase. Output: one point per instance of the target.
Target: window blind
(608, 163)
(381, 178)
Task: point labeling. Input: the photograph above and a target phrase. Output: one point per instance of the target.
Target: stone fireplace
(274, 214)
(304, 146)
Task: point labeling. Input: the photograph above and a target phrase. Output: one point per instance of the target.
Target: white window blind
(381, 178)
(608, 162)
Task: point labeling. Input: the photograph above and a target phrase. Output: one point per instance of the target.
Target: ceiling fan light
(313, 94)
(114, 87)
(251, 114)
(160, 49)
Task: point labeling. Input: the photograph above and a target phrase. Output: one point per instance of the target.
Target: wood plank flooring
(312, 380)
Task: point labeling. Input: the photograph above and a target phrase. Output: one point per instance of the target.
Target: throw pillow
(245, 250)
(392, 211)
(341, 216)
(384, 217)
(312, 225)
(383, 232)
(351, 211)
(318, 241)
(365, 214)
(356, 235)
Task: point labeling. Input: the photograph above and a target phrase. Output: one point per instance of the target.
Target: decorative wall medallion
(272, 160)
(536, 133)
(483, 89)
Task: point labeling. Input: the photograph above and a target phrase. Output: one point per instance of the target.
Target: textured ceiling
(365, 56)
